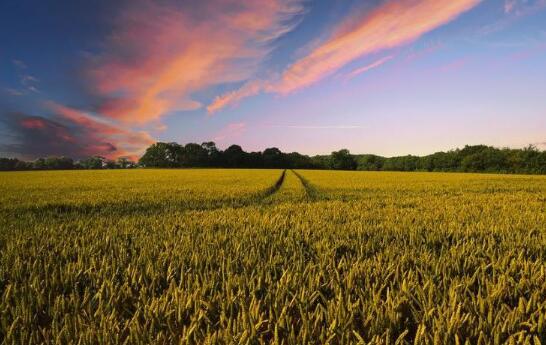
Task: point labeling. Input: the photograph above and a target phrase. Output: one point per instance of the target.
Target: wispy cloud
(230, 132)
(70, 132)
(509, 5)
(514, 10)
(27, 82)
(390, 25)
(13, 92)
(429, 48)
(125, 142)
(36, 136)
(19, 64)
(454, 65)
(318, 127)
(522, 7)
(160, 54)
(366, 68)
(393, 24)
(231, 98)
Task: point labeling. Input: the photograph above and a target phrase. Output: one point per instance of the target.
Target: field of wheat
(271, 257)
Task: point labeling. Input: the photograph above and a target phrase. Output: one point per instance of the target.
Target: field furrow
(311, 191)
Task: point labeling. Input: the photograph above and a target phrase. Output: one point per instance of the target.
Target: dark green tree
(343, 160)
(162, 155)
(95, 162)
(273, 158)
(234, 156)
(193, 155)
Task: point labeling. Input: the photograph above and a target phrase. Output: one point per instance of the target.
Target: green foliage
(8, 164)
(50, 163)
(95, 162)
(370, 162)
(265, 257)
(161, 155)
(479, 158)
(342, 160)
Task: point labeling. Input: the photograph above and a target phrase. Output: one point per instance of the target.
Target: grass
(248, 257)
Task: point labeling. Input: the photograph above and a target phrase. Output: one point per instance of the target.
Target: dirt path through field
(310, 190)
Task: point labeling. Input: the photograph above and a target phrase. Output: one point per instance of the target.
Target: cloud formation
(161, 53)
(521, 7)
(158, 55)
(366, 68)
(127, 143)
(318, 127)
(27, 82)
(390, 25)
(70, 132)
(249, 89)
(230, 132)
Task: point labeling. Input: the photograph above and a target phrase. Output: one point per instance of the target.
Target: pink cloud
(453, 65)
(159, 55)
(33, 123)
(231, 98)
(390, 25)
(230, 132)
(509, 5)
(522, 7)
(101, 134)
(366, 68)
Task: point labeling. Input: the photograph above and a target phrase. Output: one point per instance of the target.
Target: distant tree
(193, 155)
(273, 158)
(57, 163)
(475, 158)
(234, 156)
(39, 164)
(472, 149)
(125, 163)
(342, 160)
(442, 161)
(94, 162)
(295, 160)
(535, 160)
(214, 156)
(111, 164)
(162, 155)
(253, 160)
(8, 164)
(21, 165)
(370, 162)
(322, 162)
(485, 159)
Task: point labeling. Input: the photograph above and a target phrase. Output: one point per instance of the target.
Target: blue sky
(387, 77)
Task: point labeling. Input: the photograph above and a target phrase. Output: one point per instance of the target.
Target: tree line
(66, 163)
(476, 158)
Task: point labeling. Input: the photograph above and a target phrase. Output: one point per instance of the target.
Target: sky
(389, 77)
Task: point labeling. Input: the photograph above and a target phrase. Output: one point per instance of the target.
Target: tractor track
(150, 208)
(275, 188)
(310, 190)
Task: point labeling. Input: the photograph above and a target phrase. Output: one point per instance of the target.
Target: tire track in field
(149, 208)
(275, 188)
(311, 191)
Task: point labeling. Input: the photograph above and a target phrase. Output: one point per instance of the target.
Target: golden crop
(257, 257)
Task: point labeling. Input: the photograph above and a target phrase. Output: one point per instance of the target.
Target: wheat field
(271, 257)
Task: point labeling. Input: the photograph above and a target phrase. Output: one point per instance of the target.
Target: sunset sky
(389, 77)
